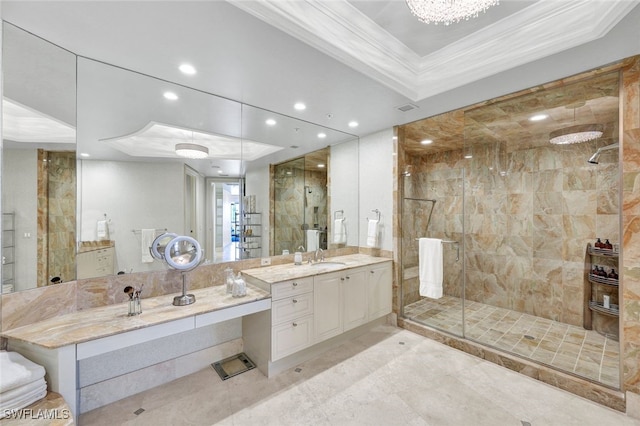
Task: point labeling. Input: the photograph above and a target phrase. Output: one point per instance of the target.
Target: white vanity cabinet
(379, 289)
(311, 314)
(291, 316)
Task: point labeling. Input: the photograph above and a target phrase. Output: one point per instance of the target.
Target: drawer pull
(295, 301)
(295, 284)
(295, 324)
(342, 279)
(348, 277)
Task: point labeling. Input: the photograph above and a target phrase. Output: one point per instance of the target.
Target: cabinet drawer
(291, 307)
(291, 288)
(291, 336)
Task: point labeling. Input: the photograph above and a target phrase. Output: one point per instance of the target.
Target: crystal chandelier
(448, 11)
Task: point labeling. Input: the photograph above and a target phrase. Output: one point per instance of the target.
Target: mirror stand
(184, 299)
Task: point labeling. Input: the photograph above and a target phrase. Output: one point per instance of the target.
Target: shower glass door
(432, 207)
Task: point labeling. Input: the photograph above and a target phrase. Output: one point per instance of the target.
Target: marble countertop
(289, 271)
(96, 323)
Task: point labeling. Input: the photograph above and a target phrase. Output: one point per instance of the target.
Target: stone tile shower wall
(56, 216)
(526, 229)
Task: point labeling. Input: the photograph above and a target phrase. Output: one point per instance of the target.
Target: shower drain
(527, 336)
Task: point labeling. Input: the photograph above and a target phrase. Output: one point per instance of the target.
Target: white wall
(376, 185)
(134, 195)
(20, 195)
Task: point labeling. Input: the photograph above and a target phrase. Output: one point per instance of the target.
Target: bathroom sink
(329, 265)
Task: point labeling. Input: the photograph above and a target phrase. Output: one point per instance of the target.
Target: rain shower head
(594, 158)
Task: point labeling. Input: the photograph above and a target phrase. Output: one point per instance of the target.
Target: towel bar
(451, 242)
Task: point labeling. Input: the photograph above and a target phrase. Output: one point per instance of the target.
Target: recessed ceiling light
(468, 156)
(321, 166)
(353, 124)
(220, 171)
(187, 69)
(426, 141)
(171, 96)
(270, 122)
(294, 146)
(300, 106)
(84, 154)
(322, 135)
(538, 117)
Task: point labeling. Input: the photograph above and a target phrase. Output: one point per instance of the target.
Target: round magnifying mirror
(160, 243)
(183, 253)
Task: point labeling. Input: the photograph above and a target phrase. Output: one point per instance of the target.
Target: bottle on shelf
(598, 243)
(608, 245)
(612, 274)
(601, 272)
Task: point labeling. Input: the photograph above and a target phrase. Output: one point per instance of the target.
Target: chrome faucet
(320, 254)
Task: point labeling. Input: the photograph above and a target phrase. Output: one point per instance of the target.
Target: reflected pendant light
(191, 150)
(448, 11)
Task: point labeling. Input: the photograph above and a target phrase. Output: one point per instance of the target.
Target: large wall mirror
(124, 182)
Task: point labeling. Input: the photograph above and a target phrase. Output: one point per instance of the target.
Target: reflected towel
(430, 266)
(339, 232)
(102, 230)
(372, 233)
(148, 235)
(313, 239)
(17, 371)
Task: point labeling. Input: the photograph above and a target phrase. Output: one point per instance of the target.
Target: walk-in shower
(524, 212)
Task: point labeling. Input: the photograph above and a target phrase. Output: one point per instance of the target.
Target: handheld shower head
(594, 158)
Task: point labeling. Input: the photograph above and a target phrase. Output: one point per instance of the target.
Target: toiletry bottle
(598, 244)
(613, 274)
(601, 272)
(229, 280)
(606, 302)
(608, 245)
(594, 271)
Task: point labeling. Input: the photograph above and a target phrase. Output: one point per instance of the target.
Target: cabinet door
(355, 302)
(380, 290)
(291, 337)
(327, 306)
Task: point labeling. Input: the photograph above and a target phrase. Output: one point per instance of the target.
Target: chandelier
(448, 11)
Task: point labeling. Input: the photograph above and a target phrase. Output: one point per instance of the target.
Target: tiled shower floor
(585, 353)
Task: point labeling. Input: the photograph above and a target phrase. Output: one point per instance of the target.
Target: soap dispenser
(297, 256)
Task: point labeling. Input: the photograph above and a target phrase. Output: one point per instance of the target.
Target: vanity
(290, 314)
(315, 306)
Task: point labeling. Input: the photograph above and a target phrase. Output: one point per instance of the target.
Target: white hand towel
(339, 232)
(147, 238)
(102, 230)
(313, 239)
(17, 371)
(430, 267)
(372, 233)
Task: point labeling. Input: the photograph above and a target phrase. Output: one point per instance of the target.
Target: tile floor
(388, 376)
(572, 349)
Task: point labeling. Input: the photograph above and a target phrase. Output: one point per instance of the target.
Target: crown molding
(339, 30)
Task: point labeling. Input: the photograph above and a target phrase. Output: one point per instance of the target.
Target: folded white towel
(372, 233)
(146, 239)
(339, 232)
(18, 403)
(430, 267)
(17, 371)
(17, 395)
(313, 239)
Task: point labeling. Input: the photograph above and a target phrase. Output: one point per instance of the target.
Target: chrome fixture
(319, 255)
(577, 133)
(448, 11)
(594, 157)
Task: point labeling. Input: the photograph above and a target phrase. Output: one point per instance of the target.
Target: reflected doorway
(223, 198)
